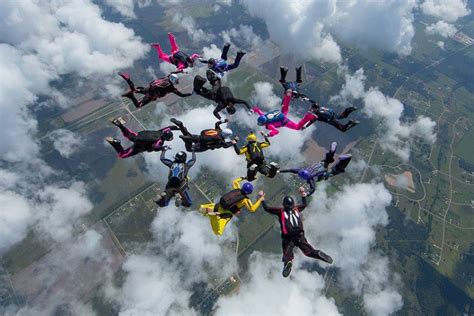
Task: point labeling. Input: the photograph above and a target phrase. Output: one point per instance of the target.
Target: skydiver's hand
(223, 120)
(288, 92)
(305, 98)
(302, 192)
(261, 195)
(234, 141)
(166, 147)
(236, 138)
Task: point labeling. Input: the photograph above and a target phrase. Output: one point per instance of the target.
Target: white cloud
(124, 7)
(440, 44)
(442, 28)
(267, 293)
(244, 33)
(65, 142)
(344, 226)
(196, 34)
(307, 28)
(397, 136)
(446, 10)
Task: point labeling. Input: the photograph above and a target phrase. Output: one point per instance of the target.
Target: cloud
(442, 28)
(343, 225)
(397, 136)
(266, 293)
(196, 34)
(124, 7)
(446, 10)
(65, 142)
(245, 34)
(184, 252)
(41, 43)
(308, 29)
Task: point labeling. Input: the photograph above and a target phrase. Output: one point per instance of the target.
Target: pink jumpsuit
(174, 50)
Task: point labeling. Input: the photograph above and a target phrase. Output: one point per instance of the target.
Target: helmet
(251, 138)
(247, 188)
(288, 202)
(180, 157)
(226, 133)
(304, 173)
(230, 108)
(173, 78)
(211, 62)
(167, 134)
(262, 119)
(210, 75)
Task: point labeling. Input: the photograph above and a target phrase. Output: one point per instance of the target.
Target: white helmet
(173, 78)
(226, 133)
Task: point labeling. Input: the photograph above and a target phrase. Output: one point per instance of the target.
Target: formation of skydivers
(230, 203)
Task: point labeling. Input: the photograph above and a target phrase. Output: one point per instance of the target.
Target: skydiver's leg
(225, 50)
(181, 127)
(341, 165)
(129, 152)
(346, 112)
(287, 246)
(285, 105)
(298, 75)
(174, 46)
(264, 168)
(329, 158)
(165, 197)
(161, 54)
(252, 172)
(132, 97)
(115, 143)
(309, 251)
(128, 133)
(337, 124)
(237, 60)
(312, 186)
(186, 198)
(220, 106)
(273, 130)
(126, 77)
(290, 171)
(273, 169)
(218, 224)
(283, 72)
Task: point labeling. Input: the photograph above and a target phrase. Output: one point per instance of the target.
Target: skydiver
(294, 86)
(158, 88)
(142, 141)
(177, 179)
(220, 65)
(178, 58)
(276, 119)
(320, 171)
(253, 152)
(209, 139)
(230, 204)
(220, 94)
(328, 116)
(292, 231)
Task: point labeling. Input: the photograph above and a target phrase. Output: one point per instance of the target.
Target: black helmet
(211, 62)
(230, 108)
(288, 202)
(167, 135)
(210, 75)
(180, 157)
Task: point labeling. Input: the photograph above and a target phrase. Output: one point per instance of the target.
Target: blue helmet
(304, 173)
(247, 188)
(262, 119)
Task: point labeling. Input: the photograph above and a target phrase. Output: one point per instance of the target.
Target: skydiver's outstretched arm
(289, 171)
(266, 143)
(312, 186)
(273, 130)
(191, 161)
(240, 151)
(174, 45)
(270, 209)
(257, 110)
(285, 105)
(240, 101)
(303, 204)
(219, 123)
(165, 160)
(180, 94)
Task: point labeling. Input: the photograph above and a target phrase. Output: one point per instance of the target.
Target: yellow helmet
(251, 138)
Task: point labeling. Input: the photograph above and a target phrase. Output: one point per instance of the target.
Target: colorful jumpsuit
(253, 152)
(157, 89)
(278, 118)
(222, 217)
(142, 141)
(319, 171)
(209, 139)
(177, 180)
(292, 232)
(177, 57)
(221, 66)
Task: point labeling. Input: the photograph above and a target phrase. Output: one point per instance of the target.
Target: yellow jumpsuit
(218, 223)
